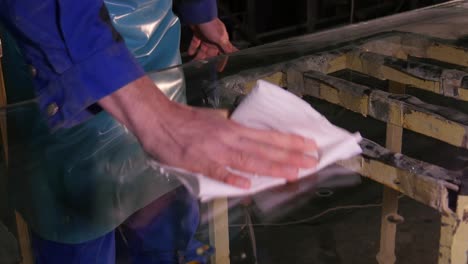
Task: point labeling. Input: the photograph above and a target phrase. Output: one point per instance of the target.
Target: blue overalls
(79, 181)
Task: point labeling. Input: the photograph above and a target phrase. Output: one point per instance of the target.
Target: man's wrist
(140, 106)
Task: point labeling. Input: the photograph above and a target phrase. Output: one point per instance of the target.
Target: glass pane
(79, 184)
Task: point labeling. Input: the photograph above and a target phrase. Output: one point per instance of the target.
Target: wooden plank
(418, 180)
(337, 63)
(326, 62)
(3, 123)
(394, 139)
(295, 70)
(448, 224)
(24, 240)
(219, 230)
(395, 46)
(218, 222)
(436, 127)
(447, 82)
(406, 111)
(21, 226)
(430, 192)
(405, 44)
(337, 91)
(376, 65)
(447, 53)
(388, 229)
(277, 78)
(453, 247)
(282, 74)
(421, 183)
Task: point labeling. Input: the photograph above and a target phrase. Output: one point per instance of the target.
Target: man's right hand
(203, 141)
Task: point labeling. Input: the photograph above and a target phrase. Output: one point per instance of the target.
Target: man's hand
(202, 140)
(209, 40)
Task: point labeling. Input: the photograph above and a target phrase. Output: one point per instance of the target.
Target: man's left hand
(209, 40)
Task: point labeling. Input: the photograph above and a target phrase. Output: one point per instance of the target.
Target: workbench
(424, 50)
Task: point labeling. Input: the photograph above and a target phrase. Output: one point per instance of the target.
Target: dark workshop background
(255, 22)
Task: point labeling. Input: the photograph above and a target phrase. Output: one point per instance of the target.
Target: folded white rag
(271, 107)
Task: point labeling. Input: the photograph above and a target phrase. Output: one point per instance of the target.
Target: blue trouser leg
(160, 233)
(97, 251)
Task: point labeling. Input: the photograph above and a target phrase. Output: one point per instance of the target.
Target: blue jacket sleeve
(79, 58)
(197, 11)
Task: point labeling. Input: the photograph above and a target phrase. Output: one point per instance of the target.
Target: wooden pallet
(407, 60)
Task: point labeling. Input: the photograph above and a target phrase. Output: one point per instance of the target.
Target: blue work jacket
(78, 56)
(77, 174)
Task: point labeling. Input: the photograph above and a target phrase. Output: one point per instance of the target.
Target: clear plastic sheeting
(100, 175)
(96, 177)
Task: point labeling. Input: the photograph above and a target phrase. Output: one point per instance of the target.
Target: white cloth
(271, 107)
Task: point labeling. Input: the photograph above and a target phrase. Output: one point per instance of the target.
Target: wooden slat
(388, 229)
(21, 225)
(430, 78)
(418, 180)
(3, 123)
(405, 111)
(405, 44)
(281, 74)
(423, 182)
(394, 140)
(24, 239)
(322, 63)
(448, 225)
(447, 53)
(277, 78)
(429, 192)
(453, 245)
(219, 230)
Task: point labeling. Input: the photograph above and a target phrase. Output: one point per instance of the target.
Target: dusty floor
(344, 236)
(341, 237)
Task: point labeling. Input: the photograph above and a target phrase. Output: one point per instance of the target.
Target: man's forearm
(202, 140)
(137, 105)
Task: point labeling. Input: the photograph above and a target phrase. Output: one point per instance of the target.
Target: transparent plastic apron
(77, 184)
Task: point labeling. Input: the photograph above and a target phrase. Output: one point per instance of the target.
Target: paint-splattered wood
(409, 112)
(433, 78)
(404, 45)
(421, 181)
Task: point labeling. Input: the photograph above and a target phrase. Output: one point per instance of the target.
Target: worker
(81, 169)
